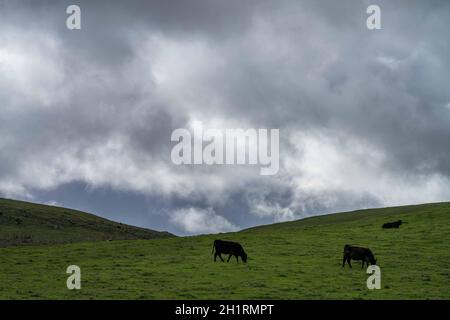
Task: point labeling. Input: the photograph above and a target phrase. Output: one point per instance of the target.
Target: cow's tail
(214, 246)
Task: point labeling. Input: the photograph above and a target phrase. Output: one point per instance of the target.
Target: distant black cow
(358, 253)
(228, 247)
(390, 225)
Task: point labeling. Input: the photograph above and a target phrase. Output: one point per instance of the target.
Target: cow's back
(390, 225)
(356, 252)
(227, 246)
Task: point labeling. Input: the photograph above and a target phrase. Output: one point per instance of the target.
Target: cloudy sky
(86, 115)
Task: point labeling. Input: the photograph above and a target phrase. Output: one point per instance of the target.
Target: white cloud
(327, 162)
(196, 220)
(52, 203)
(32, 70)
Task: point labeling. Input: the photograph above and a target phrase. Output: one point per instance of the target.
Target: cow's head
(244, 257)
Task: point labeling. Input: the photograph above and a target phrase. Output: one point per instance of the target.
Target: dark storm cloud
(364, 116)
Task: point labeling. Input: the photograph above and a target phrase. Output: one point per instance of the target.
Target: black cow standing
(390, 225)
(228, 247)
(358, 253)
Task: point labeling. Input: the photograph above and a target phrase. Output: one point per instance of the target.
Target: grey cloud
(363, 115)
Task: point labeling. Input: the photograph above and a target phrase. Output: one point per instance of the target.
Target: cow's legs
(362, 266)
(218, 255)
(229, 257)
(346, 259)
(237, 259)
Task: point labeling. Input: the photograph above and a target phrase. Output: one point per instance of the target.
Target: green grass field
(292, 260)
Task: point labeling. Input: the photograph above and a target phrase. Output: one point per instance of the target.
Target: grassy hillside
(23, 223)
(293, 260)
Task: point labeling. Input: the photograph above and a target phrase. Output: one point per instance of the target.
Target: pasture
(293, 260)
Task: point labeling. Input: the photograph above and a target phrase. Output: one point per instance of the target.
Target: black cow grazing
(228, 247)
(358, 253)
(390, 225)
